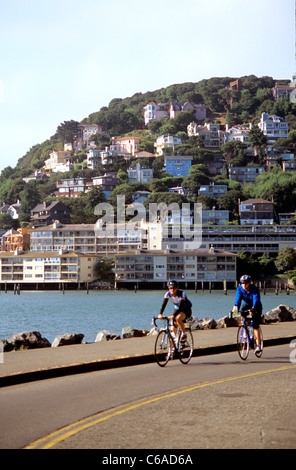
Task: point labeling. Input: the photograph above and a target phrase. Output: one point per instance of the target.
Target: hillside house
(166, 141)
(256, 212)
(245, 174)
(140, 174)
(72, 187)
(85, 132)
(59, 157)
(108, 182)
(273, 127)
(125, 145)
(212, 190)
(47, 212)
(213, 136)
(284, 91)
(16, 240)
(238, 133)
(154, 112)
(37, 175)
(200, 111)
(178, 165)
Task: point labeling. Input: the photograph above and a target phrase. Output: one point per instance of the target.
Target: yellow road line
(66, 432)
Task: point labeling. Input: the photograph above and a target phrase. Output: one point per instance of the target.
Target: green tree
(104, 269)
(68, 131)
(257, 139)
(7, 222)
(285, 260)
(29, 197)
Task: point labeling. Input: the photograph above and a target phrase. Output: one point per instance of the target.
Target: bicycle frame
(247, 330)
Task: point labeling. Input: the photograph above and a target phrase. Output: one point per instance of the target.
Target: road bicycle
(166, 347)
(246, 339)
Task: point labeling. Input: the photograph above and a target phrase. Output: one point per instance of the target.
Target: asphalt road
(214, 402)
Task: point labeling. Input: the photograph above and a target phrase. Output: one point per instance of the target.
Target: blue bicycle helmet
(245, 279)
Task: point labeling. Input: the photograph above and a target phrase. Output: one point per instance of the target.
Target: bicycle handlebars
(163, 318)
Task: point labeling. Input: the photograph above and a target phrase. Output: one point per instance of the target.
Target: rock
(232, 322)
(281, 313)
(66, 339)
(195, 323)
(129, 332)
(106, 335)
(209, 323)
(6, 346)
(26, 340)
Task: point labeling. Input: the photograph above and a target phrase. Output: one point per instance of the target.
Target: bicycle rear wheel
(243, 345)
(162, 348)
(186, 349)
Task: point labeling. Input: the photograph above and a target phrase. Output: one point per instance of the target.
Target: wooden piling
(225, 286)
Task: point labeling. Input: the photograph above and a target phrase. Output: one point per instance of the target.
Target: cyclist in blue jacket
(248, 295)
(182, 306)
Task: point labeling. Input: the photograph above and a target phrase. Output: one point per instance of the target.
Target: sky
(65, 59)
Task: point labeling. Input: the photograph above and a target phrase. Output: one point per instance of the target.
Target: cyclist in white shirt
(182, 306)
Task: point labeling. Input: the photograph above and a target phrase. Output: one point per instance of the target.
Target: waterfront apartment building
(46, 268)
(82, 238)
(234, 238)
(215, 266)
(154, 236)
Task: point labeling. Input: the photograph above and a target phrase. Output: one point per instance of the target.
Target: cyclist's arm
(165, 301)
(256, 300)
(238, 299)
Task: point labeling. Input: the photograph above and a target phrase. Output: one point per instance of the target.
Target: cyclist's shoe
(183, 338)
(258, 349)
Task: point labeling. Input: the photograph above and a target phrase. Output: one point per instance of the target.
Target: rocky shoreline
(34, 339)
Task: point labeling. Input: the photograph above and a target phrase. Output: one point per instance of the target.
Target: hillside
(125, 116)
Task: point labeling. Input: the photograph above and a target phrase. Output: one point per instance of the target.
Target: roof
(49, 206)
(256, 201)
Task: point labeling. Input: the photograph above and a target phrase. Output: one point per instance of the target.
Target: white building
(213, 136)
(166, 141)
(237, 133)
(273, 127)
(154, 112)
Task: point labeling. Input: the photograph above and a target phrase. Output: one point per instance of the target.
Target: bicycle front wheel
(186, 349)
(243, 345)
(162, 348)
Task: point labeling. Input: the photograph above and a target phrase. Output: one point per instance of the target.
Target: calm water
(54, 313)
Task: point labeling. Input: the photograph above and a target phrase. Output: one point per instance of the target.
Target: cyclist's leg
(175, 325)
(244, 311)
(180, 317)
(256, 324)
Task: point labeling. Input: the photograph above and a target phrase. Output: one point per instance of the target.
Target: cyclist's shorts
(256, 316)
(186, 310)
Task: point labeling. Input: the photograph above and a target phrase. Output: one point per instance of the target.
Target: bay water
(53, 313)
